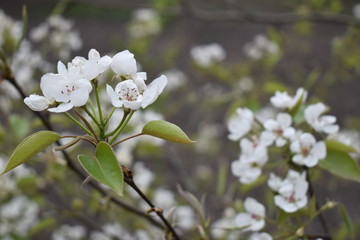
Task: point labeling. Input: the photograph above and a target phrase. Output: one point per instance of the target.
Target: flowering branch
(75, 168)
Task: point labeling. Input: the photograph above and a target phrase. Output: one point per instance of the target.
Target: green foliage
(104, 167)
(166, 131)
(341, 164)
(31, 146)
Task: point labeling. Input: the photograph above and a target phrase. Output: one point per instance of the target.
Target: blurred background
(218, 55)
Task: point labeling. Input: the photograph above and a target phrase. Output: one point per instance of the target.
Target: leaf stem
(91, 116)
(87, 124)
(122, 126)
(68, 115)
(125, 139)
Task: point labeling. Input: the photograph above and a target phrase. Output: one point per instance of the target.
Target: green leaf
(166, 130)
(347, 220)
(31, 146)
(341, 164)
(104, 168)
(335, 145)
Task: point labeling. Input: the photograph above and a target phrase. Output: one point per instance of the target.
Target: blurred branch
(243, 16)
(233, 13)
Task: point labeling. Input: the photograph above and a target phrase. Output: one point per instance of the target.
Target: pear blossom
(253, 218)
(260, 236)
(240, 124)
(253, 156)
(128, 95)
(207, 55)
(291, 192)
(37, 103)
(279, 130)
(93, 66)
(325, 123)
(65, 87)
(356, 11)
(124, 63)
(307, 151)
(145, 22)
(283, 100)
(260, 47)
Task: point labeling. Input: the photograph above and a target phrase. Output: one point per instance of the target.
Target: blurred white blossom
(240, 124)
(67, 232)
(207, 55)
(144, 22)
(283, 100)
(260, 47)
(253, 218)
(320, 123)
(291, 192)
(307, 150)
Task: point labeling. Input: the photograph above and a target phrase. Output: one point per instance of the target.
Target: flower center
(68, 90)
(129, 94)
(292, 199)
(305, 151)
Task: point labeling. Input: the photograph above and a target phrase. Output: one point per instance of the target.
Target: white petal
(114, 98)
(124, 63)
(36, 102)
(93, 55)
(153, 91)
(254, 207)
(61, 68)
(63, 107)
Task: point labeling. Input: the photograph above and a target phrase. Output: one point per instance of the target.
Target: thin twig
(129, 180)
(317, 205)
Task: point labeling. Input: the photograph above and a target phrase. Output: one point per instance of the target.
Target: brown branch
(128, 178)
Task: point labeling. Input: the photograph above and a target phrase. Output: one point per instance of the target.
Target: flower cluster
(72, 85)
(293, 136)
(207, 55)
(261, 46)
(59, 34)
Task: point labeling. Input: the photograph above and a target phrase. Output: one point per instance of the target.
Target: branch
(128, 178)
(243, 16)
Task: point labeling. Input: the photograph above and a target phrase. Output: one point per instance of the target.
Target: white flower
(280, 129)
(283, 100)
(145, 22)
(163, 198)
(207, 55)
(307, 151)
(260, 47)
(253, 218)
(185, 217)
(37, 103)
(124, 63)
(91, 68)
(240, 124)
(66, 88)
(291, 191)
(260, 236)
(67, 232)
(356, 10)
(247, 172)
(320, 123)
(127, 94)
